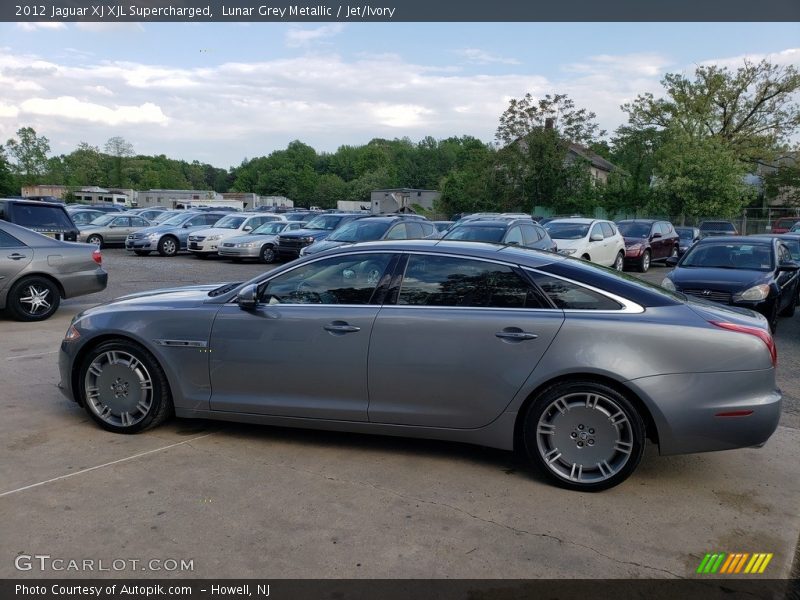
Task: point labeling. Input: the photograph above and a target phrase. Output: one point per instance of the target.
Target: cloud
(70, 107)
(790, 56)
(39, 25)
(297, 37)
(481, 57)
(8, 111)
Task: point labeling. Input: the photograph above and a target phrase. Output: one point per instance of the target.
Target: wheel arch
(43, 275)
(651, 429)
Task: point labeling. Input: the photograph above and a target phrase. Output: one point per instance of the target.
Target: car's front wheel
(33, 299)
(267, 254)
(95, 239)
(168, 246)
(584, 435)
(619, 262)
(124, 388)
(644, 262)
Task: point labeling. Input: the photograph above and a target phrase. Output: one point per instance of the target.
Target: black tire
(675, 252)
(773, 317)
(619, 262)
(122, 367)
(33, 299)
(790, 308)
(168, 245)
(644, 262)
(268, 254)
(612, 429)
(142, 252)
(95, 239)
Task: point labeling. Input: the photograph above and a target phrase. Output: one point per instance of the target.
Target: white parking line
(108, 464)
(32, 355)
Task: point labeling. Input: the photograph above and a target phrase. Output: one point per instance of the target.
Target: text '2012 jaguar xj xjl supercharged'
(472, 342)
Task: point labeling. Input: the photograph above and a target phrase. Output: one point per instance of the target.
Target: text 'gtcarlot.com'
(45, 562)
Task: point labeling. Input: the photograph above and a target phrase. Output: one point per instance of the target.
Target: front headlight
(247, 245)
(635, 248)
(72, 334)
(668, 285)
(568, 251)
(213, 238)
(302, 251)
(307, 240)
(754, 294)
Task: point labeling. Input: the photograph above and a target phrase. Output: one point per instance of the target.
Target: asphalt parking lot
(250, 501)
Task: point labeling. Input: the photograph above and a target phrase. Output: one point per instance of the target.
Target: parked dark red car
(647, 241)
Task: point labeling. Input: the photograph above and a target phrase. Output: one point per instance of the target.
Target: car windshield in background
(685, 233)
(229, 223)
(476, 233)
(41, 216)
(174, 220)
(271, 228)
(632, 229)
(567, 231)
(326, 222)
(746, 257)
(104, 220)
(357, 231)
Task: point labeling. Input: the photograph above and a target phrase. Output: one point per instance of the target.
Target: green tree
(119, 150)
(7, 184)
(29, 152)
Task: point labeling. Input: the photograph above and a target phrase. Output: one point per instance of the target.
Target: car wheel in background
(95, 239)
(619, 262)
(267, 254)
(644, 262)
(33, 299)
(675, 252)
(123, 388)
(168, 246)
(584, 435)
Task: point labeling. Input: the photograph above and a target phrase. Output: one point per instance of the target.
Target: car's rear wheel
(33, 299)
(619, 262)
(644, 262)
(123, 387)
(267, 254)
(584, 435)
(168, 246)
(95, 239)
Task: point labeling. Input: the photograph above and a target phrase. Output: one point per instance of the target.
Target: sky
(221, 93)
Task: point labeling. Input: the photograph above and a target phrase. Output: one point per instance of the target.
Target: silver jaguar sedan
(479, 343)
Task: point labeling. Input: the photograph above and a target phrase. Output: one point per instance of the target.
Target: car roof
(491, 222)
(650, 221)
(740, 239)
(578, 220)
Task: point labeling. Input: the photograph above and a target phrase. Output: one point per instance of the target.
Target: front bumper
(204, 247)
(240, 252)
(142, 244)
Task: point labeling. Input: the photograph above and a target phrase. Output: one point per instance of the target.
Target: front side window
(567, 295)
(514, 236)
(398, 232)
(338, 280)
(121, 222)
(597, 230)
(230, 222)
(608, 230)
(450, 281)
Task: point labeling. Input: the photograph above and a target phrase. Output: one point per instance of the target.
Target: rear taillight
(97, 257)
(764, 335)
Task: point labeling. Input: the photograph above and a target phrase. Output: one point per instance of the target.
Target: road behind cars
(293, 503)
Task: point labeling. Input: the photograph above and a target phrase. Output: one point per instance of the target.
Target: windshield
(567, 231)
(325, 222)
(270, 228)
(174, 220)
(739, 256)
(104, 220)
(27, 215)
(358, 231)
(717, 226)
(476, 234)
(685, 233)
(231, 222)
(636, 230)
(296, 216)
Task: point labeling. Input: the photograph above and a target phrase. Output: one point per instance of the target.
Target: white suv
(590, 239)
(206, 242)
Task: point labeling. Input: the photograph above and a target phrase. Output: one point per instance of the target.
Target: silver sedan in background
(112, 228)
(36, 271)
(465, 341)
(259, 243)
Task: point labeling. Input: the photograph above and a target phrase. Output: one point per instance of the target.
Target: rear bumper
(687, 408)
(84, 282)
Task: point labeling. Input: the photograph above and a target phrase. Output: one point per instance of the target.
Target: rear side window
(530, 234)
(9, 241)
(28, 215)
(459, 282)
(567, 295)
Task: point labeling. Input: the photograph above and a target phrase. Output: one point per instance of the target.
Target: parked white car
(596, 240)
(206, 242)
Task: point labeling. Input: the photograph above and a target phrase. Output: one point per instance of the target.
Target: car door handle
(515, 335)
(338, 327)
(17, 256)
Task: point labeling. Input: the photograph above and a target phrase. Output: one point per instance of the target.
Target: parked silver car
(259, 243)
(112, 228)
(36, 271)
(462, 341)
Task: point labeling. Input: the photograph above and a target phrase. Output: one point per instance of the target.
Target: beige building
(401, 200)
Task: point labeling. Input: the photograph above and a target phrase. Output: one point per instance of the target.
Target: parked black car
(712, 228)
(371, 229)
(320, 227)
(647, 241)
(754, 272)
(687, 236)
(47, 218)
(519, 232)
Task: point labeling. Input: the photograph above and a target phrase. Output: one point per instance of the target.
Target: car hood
(731, 280)
(218, 231)
(251, 237)
(569, 244)
(630, 241)
(321, 246)
(318, 234)
(174, 297)
(160, 228)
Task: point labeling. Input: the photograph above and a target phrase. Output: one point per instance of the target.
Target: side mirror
(596, 237)
(248, 297)
(672, 261)
(512, 243)
(789, 266)
(186, 225)
(656, 235)
(247, 228)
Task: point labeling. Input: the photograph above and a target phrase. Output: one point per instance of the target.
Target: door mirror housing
(788, 266)
(247, 298)
(596, 237)
(247, 228)
(672, 261)
(655, 236)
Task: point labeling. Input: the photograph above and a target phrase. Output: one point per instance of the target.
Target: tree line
(687, 151)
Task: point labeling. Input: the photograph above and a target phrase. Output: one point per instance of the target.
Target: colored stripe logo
(734, 563)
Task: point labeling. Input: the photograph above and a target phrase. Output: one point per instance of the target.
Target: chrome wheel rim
(618, 263)
(267, 254)
(646, 261)
(584, 437)
(34, 299)
(93, 239)
(169, 246)
(119, 389)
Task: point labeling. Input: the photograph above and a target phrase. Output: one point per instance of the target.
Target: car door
(302, 352)
(118, 229)
(468, 333)
(787, 280)
(603, 252)
(14, 257)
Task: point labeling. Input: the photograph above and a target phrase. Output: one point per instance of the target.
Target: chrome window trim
(628, 307)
